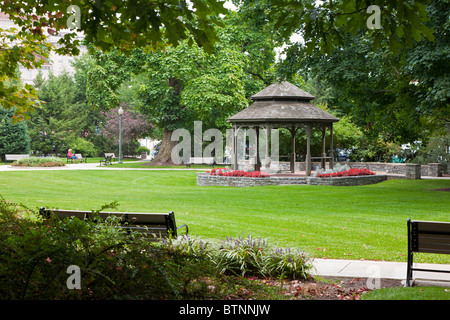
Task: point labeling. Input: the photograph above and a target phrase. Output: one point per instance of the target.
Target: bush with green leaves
(249, 256)
(39, 162)
(246, 256)
(35, 254)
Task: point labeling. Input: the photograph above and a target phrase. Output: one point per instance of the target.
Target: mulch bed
(329, 289)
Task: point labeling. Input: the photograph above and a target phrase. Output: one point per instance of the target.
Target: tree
(152, 25)
(120, 24)
(326, 25)
(392, 97)
(14, 137)
(62, 120)
(186, 84)
(134, 125)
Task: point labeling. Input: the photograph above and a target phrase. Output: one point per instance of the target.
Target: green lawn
(411, 293)
(364, 222)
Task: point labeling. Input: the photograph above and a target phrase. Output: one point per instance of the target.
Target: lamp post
(120, 134)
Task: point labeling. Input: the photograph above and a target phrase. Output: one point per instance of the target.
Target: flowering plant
(346, 173)
(237, 173)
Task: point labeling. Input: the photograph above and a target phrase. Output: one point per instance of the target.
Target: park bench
(79, 158)
(106, 160)
(199, 160)
(15, 157)
(427, 237)
(157, 225)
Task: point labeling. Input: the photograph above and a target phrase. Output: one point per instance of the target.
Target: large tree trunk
(163, 157)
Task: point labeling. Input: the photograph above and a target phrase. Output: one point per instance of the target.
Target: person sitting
(70, 155)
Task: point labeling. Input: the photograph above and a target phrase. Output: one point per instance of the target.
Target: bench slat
(433, 243)
(434, 227)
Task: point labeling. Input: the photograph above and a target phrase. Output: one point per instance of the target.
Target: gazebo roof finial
(284, 91)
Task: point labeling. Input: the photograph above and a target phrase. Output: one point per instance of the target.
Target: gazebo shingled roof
(283, 104)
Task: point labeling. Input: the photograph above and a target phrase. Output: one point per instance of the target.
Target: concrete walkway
(382, 270)
(85, 166)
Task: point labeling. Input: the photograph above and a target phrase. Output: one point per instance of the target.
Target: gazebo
(284, 105)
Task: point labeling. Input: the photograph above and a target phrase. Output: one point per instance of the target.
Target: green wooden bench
(157, 225)
(428, 237)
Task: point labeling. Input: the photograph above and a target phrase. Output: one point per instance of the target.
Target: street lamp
(120, 134)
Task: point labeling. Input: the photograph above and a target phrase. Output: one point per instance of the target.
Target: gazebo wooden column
(331, 147)
(293, 131)
(258, 160)
(323, 161)
(308, 150)
(267, 158)
(234, 151)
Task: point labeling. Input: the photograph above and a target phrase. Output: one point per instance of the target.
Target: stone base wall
(346, 181)
(205, 179)
(431, 170)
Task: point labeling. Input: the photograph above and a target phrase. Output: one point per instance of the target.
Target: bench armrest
(184, 226)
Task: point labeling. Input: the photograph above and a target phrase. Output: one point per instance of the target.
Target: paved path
(85, 166)
(381, 270)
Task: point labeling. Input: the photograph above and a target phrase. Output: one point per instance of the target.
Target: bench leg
(410, 257)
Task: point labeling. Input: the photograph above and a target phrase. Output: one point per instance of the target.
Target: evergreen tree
(14, 137)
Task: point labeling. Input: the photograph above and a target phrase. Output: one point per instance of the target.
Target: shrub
(248, 256)
(39, 162)
(288, 263)
(83, 146)
(141, 149)
(240, 256)
(35, 254)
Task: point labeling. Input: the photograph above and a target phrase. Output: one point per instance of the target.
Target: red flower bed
(237, 173)
(347, 173)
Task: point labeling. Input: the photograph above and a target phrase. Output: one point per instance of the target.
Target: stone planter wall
(346, 181)
(205, 179)
(431, 170)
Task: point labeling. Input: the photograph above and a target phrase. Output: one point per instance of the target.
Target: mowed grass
(364, 222)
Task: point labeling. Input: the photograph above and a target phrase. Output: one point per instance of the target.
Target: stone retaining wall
(205, 179)
(431, 170)
(346, 181)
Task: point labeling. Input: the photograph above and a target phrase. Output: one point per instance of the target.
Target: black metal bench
(106, 160)
(157, 225)
(428, 237)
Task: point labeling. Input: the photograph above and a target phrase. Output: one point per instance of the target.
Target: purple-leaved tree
(134, 125)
